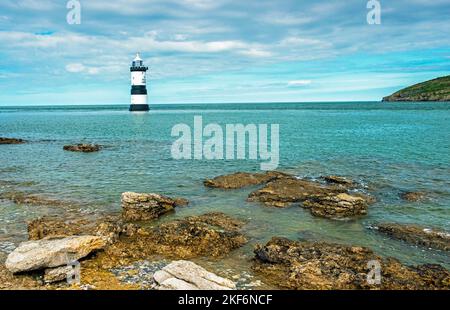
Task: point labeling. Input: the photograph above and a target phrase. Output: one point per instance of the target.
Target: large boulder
(11, 141)
(318, 265)
(241, 180)
(83, 148)
(417, 235)
(48, 253)
(142, 207)
(185, 275)
(337, 206)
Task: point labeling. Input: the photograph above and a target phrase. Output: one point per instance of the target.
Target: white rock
(58, 274)
(185, 275)
(49, 253)
(177, 284)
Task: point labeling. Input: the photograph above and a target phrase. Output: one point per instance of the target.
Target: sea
(388, 148)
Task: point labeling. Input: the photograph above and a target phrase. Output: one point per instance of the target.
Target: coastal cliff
(433, 90)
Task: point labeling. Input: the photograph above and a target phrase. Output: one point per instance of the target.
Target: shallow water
(387, 147)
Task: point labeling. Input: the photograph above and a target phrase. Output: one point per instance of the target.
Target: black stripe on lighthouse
(138, 90)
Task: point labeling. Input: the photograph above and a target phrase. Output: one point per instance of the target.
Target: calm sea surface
(387, 147)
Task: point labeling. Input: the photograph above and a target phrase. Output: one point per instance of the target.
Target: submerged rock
(317, 265)
(333, 179)
(22, 198)
(185, 275)
(337, 206)
(11, 141)
(142, 207)
(418, 235)
(48, 253)
(241, 180)
(413, 196)
(83, 148)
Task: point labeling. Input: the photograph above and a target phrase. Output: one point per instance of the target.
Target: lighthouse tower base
(139, 108)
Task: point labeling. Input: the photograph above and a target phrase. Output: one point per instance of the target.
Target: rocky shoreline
(173, 251)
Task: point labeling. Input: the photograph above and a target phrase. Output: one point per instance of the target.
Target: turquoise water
(388, 147)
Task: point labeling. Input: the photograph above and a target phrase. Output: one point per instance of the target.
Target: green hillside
(434, 90)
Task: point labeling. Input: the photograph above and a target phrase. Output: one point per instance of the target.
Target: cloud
(299, 83)
(79, 68)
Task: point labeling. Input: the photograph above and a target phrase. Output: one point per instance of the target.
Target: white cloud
(253, 52)
(299, 83)
(79, 68)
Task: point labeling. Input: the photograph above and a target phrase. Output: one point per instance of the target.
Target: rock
(181, 202)
(11, 141)
(332, 179)
(324, 200)
(48, 253)
(414, 234)
(142, 207)
(337, 206)
(58, 274)
(54, 227)
(285, 191)
(210, 235)
(318, 266)
(196, 236)
(413, 196)
(185, 275)
(111, 231)
(110, 228)
(218, 219)
(241, 180)
(84, 148)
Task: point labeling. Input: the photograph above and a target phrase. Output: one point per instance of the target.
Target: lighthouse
(138, 85)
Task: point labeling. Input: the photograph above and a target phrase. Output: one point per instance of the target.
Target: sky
(219, 51)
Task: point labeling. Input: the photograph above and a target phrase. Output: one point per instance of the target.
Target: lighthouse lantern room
(138, 85)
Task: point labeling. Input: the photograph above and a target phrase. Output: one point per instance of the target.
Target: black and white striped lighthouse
(138, 85)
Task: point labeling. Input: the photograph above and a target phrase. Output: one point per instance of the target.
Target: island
(433, 90)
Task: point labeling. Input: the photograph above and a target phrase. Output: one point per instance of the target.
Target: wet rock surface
(48, 253)
(417, 235)
(324, 266)
(186, 275)
(11, 141)
(142, 207)
(337, 206)
(241, 180)
(83, 148)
